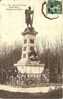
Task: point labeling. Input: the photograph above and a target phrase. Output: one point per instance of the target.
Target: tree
(9, 56)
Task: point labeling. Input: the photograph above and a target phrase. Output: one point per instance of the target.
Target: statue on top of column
(29, 17)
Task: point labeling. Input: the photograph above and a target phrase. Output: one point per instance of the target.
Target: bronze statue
(29, 17)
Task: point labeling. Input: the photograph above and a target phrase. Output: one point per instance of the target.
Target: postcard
(31, 49)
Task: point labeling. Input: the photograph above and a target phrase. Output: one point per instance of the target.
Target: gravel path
(29, 90)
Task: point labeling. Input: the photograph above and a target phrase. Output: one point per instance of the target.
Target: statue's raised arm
(29, 17)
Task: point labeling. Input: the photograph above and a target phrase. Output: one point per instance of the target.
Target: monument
(29, 63)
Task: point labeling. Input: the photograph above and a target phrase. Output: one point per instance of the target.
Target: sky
(12, 22)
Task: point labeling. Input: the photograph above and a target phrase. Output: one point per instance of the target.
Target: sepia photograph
(31, 49)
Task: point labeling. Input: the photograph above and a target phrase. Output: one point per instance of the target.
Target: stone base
(30, 68)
